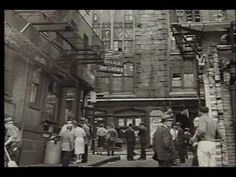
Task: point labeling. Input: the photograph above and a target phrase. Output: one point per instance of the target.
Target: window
(8, 75)
(128, 69)
(189, 80)
(117, 45)
(192, 15)
(128, 16)
(176, 80)
(173, 45)
(34, 95)
(183, 76)
(95, 17)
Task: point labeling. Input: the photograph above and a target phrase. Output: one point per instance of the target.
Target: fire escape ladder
(187, 40)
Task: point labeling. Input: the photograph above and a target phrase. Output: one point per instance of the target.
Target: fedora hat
(167, 117)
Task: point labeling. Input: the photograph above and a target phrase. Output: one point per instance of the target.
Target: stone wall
(151, 54)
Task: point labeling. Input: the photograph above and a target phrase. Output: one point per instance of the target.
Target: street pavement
(149, 162)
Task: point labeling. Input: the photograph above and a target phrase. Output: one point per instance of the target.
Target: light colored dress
(79, 140)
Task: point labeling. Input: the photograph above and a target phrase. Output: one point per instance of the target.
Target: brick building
(162, 52)
(50, 59)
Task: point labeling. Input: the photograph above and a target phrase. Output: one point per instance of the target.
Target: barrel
(52, 152)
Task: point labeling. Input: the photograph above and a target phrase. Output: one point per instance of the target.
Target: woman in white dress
(79, 142)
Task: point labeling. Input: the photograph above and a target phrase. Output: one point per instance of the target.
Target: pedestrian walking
(207, 132)
(174, 134)
(163, 145)
(79, 143)
(101, 138)
(143, 140)
(180, 143)
(187, 146)
(12, 140)
(194, 142)
(84, 124)
(67, 143)
(130, 140)
(112, 136)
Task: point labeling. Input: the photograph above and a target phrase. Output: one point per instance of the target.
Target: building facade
(162, 52)
(50, 60)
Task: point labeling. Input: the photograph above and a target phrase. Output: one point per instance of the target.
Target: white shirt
(101, 131)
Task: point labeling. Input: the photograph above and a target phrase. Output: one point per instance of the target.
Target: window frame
(37, 103)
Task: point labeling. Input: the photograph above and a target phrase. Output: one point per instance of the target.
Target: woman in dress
(79, 142)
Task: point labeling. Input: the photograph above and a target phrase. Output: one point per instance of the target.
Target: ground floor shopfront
(122, 112)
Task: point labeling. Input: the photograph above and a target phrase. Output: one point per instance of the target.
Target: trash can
(52, 151)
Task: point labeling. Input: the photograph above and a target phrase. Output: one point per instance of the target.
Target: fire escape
(63, 52)
(189, 43)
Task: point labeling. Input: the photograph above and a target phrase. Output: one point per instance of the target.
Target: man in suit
(163, 144)
(130, 140)
(143, 140)
(207, 132)
(180, 143)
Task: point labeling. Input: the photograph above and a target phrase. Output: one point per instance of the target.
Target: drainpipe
(232, 67)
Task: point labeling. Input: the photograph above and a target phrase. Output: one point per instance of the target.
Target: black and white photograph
(119, 88)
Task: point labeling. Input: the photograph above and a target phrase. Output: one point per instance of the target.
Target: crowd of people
(171, 142)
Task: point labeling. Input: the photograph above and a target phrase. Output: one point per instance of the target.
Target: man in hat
(84, 125)
(207, 132)
(67, 143)
(180, 142)
(130, 140)
(143, 140)
(112, 136)
(12, 138)
(163, 144)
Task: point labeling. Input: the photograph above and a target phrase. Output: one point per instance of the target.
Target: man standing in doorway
(163, 144)
(207, 132)
(143, 140)
(130, 140)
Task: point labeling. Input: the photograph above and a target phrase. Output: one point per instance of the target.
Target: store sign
(110, 69)
(112, 63)
(93, 97)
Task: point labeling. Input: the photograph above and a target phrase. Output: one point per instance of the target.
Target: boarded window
(188, 80)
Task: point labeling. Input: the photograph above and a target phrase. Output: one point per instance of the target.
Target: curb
(97, 164)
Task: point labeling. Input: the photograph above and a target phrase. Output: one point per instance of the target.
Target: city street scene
(120, 88)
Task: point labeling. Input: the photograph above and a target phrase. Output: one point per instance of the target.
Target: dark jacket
(163, 144)
(143, 135)
(130, 135)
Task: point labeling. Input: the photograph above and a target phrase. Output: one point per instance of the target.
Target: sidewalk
(93, 161)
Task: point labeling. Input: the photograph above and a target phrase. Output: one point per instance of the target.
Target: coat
(143, 135)
(163, 144)
(130, 136)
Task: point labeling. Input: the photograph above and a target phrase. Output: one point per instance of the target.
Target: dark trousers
(143, 151)
(85, 155)
(195, 159)
(110, 147)
(164, 163)
(182, 153)
(130, 150)
(66, 157)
